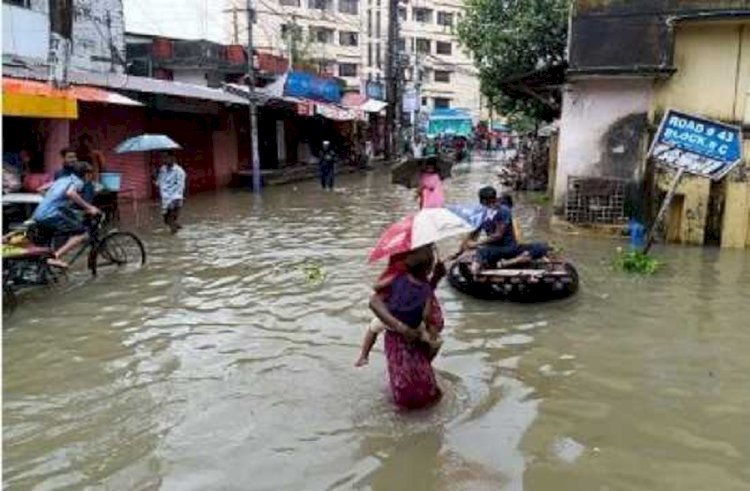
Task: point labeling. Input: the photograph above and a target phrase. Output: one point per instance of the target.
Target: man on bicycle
(57, 212)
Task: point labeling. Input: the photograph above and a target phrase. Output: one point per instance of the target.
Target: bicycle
(28, 266)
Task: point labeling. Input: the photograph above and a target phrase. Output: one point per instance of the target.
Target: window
(402, 45)
(347, 38)
(288, 29)
(321, 35)
(443, 76)
(369, 54)
(445, 19)
(319, 4)
(369, 23)
(421, 15)
(349, 7)
(347, 69)
(377, 24)
(442, 103)
(443, 47)
(289, 3)
(378, 61)
(423, 46)
(402, 13)
(424, 102)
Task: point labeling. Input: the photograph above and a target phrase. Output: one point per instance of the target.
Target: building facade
(692, 56)
(348, 39)
(446, 74)
(97, 33)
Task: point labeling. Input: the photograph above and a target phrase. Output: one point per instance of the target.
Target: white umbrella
(146, 143)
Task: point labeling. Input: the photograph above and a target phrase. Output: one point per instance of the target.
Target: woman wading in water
(404, 308)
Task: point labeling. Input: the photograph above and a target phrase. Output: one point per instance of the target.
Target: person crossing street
(327, 166)
(171, 182)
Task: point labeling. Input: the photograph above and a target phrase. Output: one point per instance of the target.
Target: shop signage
(410, 102)
(334, 113)
(305, 108)
(309, 86)
(697, 145)
(375, 90)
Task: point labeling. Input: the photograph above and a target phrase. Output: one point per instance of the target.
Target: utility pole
(235, 28)
(254, 157)
(391, 74)
(417, 86)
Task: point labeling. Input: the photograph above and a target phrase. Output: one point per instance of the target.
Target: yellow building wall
(712, 80)
(736, 226)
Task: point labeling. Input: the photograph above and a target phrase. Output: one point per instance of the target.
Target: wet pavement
(227, 363)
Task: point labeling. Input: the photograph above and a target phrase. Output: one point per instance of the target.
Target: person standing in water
(327, 165)
(171, 182)
(431, 187)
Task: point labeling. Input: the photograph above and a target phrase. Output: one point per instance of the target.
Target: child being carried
(407, 276)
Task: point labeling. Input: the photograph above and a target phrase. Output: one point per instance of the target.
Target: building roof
(635, 37)
(121, 82)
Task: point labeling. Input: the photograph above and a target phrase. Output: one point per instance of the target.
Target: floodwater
(227, 363)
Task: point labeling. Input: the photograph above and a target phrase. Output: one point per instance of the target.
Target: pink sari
(412, 378)
(432, 191)
(413, 382)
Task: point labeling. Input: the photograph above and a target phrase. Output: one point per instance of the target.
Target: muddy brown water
(227, 364)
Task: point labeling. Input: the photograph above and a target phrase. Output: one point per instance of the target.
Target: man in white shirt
(171, 182)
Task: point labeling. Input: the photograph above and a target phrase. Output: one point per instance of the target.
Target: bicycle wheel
(117, 250)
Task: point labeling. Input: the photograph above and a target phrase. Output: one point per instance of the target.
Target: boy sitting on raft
(418, 265)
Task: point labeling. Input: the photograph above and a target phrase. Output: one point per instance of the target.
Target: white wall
(96, 24)
(590, 109)
(196, 77)
(25, 32)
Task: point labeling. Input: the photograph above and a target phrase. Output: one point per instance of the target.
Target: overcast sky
(189, 19)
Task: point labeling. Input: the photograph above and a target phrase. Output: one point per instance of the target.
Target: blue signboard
(697, 145)
(308, 86)
(375, 90)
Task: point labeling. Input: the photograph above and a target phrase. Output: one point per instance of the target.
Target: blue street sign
(697, 145)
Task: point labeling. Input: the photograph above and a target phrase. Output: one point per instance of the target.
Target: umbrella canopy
(474, 214)
(406, 173)
(422, 228)
(147, 142)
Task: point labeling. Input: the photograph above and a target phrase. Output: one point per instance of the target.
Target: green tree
(298, 45)
(510, 38)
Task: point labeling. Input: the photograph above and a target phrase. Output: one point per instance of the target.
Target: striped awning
(34, 99)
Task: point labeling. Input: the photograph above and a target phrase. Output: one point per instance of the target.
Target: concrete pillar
(58, 137)
(735, 228)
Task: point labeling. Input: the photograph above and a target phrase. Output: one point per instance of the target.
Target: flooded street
(224, 365)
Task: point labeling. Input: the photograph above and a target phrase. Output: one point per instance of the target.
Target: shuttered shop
(109, 125)
(194, 134)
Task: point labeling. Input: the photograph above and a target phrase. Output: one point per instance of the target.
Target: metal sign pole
(663, 210)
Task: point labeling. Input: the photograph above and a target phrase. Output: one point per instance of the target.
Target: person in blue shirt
(499, 247)
(57, 210)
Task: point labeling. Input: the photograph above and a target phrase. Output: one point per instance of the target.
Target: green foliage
(299, 45)
(509, 38)
(314, 273)
(539, 198)
(635, 262)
